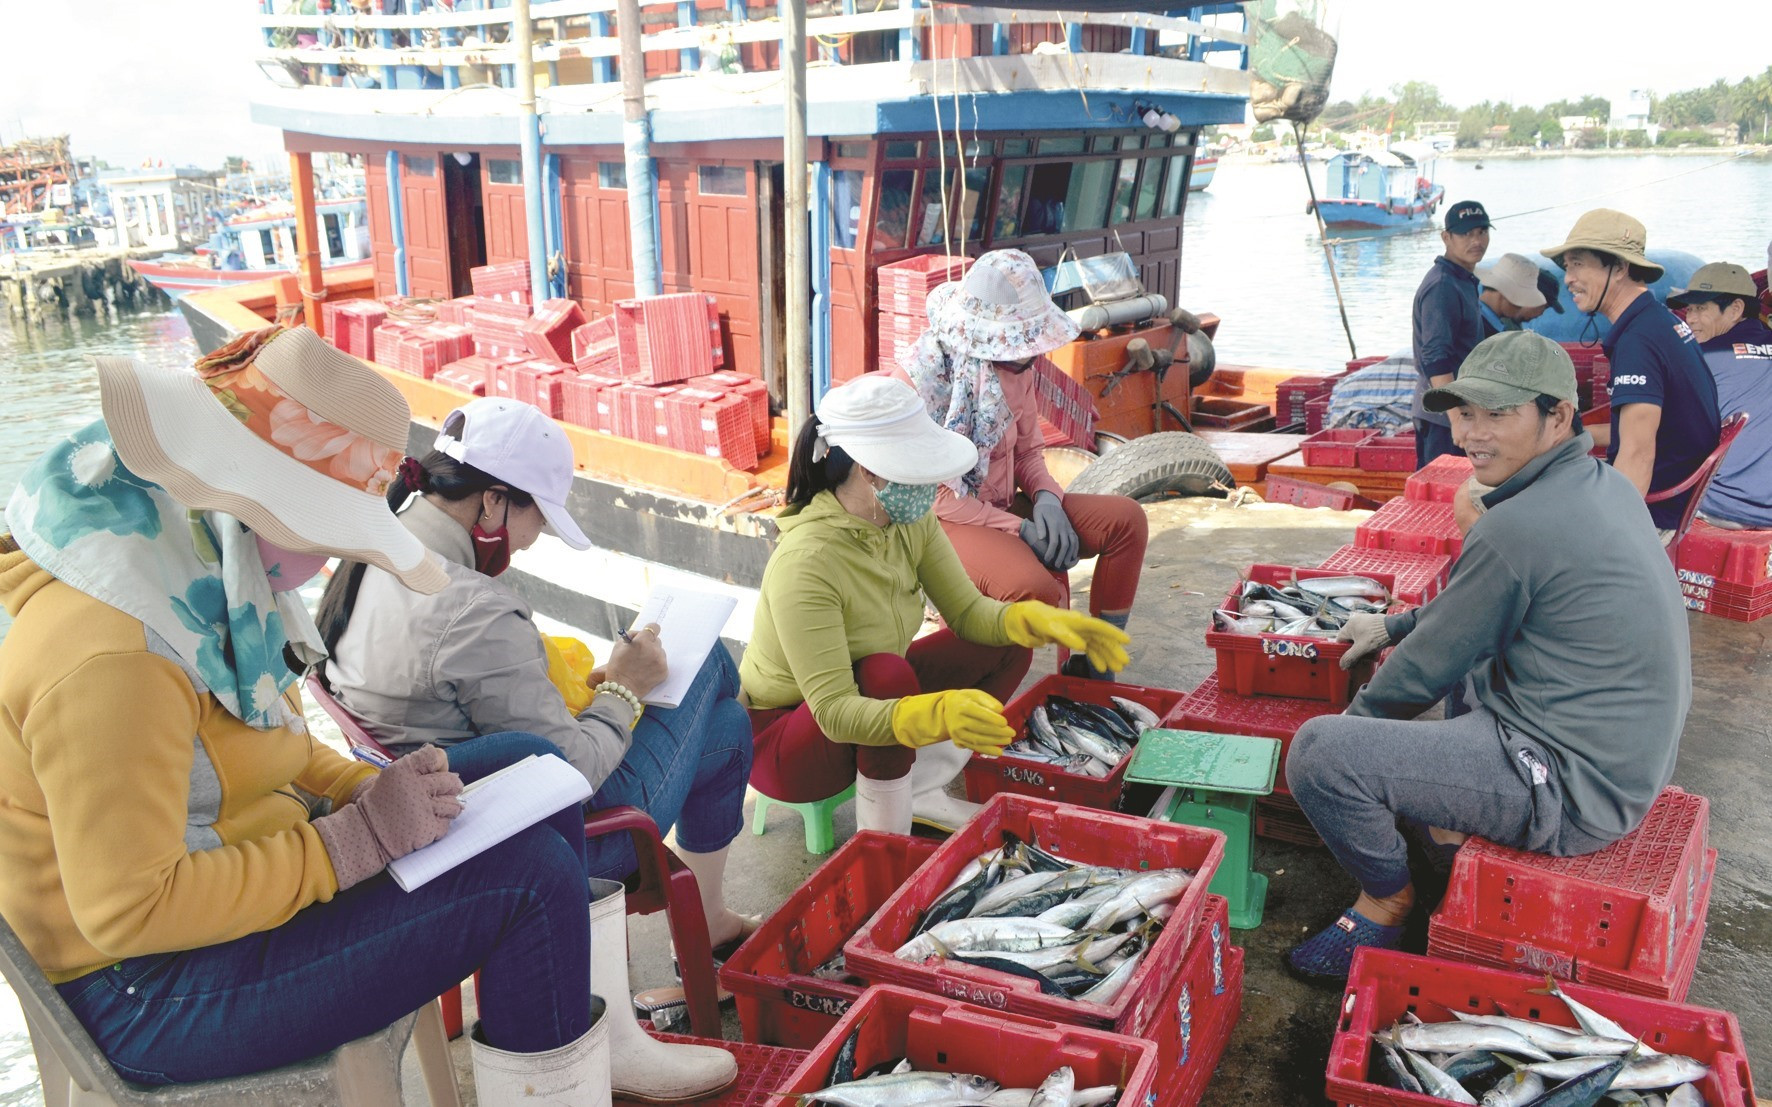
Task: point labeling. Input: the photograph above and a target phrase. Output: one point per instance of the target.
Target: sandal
(1326, 956)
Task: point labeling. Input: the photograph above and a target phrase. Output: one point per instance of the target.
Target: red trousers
(794, 762)
(1113, 528)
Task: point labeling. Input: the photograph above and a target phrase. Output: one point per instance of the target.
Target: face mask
(492, 548)
(906, 503)
(286, 570)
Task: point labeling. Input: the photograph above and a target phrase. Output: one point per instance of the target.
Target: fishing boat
(259, 245)
(1205, 165)
(1390, 189)
(931, 131)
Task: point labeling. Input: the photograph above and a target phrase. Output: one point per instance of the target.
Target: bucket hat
(881, 422)
(1515, 277)
(1608, 232)
(518, 444)
(294, 438)
(1719, 278)
(1506, 370)
(1001, 312)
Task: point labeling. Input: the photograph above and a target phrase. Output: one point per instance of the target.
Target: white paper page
(494, 808)
(689, 625)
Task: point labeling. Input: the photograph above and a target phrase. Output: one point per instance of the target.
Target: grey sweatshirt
(1565, 611)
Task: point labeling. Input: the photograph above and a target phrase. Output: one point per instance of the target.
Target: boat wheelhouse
(1381, 189)
(259, 244)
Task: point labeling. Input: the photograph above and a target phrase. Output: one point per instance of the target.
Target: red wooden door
(381, 226)
(708, 243)
(599, 264)
(427, 230)
(501, 192)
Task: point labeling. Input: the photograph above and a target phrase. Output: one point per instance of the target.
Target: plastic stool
(821, 838)
(1214, 779)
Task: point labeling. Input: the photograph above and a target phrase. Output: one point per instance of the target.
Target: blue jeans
(339, 970)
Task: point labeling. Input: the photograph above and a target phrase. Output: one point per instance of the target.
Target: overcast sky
(171, 79)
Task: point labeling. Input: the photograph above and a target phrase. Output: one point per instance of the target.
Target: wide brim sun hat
(1605, 231)
(881, 422)
(1516, 278)
(296, 439)
(1001, 311)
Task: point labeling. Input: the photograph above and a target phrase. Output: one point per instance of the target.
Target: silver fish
(1013, 889)
(1041, 730)
(1686, 1095)
(907, 1089)
(1396, 1067)
(1076, 910)
(1056, 1089)
(1237, 623)
(1516, 1089)
(981, 935)
(1092, 744)
(1456, 1037)
(1592, 1021)
(1115, 982)
(1141, 717)
(1661, 1071)
(1554, 1040)
(1333, 587)
(1080, 1097)
(1435, 1082)
(1139, 897)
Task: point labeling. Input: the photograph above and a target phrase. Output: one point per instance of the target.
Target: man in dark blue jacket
(1447, 322)
(1722, 308)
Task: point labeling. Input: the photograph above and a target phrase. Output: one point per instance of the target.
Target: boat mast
(529, 145)
(798, 245)
(636, 140)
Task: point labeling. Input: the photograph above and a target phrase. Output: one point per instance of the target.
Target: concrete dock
(75, 281)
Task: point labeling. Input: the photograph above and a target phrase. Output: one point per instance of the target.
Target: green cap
(1506, 370)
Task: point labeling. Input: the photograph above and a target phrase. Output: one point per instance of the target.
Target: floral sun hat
(1001, 311)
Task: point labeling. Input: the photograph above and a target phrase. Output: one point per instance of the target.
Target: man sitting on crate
(1567, 629)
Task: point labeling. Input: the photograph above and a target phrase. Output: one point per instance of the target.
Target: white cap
(881, 422)
(522, 447)
(1515, 277)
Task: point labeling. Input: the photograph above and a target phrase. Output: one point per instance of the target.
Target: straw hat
(294, 438)
(1001, 312)
(881, 422)
(1605, 231)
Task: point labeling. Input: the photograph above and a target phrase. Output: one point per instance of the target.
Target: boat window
(1158, 138)
(1086, 200)
(1136, 142)
(420, 167)
(968, 205)
(1045, 203)
(845, 207)
(267, 244)
(852, 150)
(612, 174)
(1015, 182)
(1017, 147)
(721, 180)
(898, 150)
(1103, 143)
(1121, 211)
(505, 171)
(1150, 188)
(335, 238)
(1172, 187)
(894, 217)
(1071, 145)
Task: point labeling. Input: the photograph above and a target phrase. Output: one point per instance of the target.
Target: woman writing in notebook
(200, 879)
(467, 666)
(838, 690)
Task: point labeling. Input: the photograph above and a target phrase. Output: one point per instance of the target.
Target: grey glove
(1050, 534)
(1367, 633)
(405, 806)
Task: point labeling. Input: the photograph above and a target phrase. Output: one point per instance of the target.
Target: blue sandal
(1326, 956)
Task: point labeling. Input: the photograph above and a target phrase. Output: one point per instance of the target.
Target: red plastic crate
(905, 285)
(780, 1001)
(1211, 709)
(1419, 577)
(350, 325)
(578, 397)
(761, 1070)
(756, 397)
(986, 776)
(1439, 480)
(662, 432)
(1334, 449)
(1384, 984)
(1316, 415)
(638, 420)
(669, 338)
(726, 432)
(1291, 394)
(1711, 555)
(1287, 665)
(507, 281)
(595, 347)
(1745, 606)
(943, 1035)
(1304, 493)
(459, 310)
(1387, 453)
(472, 374)
(1078, 834)
(1227, 414)
(1279, 818)
(548, 333)
(1198, 1011)
(610, 409)
(1361, 363)
(1065, 404)
(1625, 908)
(682, 411)
(498, 328)
(1411, 526)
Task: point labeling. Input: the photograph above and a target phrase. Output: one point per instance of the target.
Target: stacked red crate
(1412, 525)
(1439, 480)
(459, 310)
(756, 397)
(472, 374)
(726, 431)
(498, 327)
(578, 397)
(669, 338)
(350, 325)
(1419, 577)
(548, 333)
(1065, 404)
(1726, 572)
(595, 348)
(904, 287)
(507, 281)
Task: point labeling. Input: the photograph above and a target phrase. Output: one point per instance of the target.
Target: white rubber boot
(641, 1067)
(883, 804)
(710, 879)
(575, 1075)
(931, 806)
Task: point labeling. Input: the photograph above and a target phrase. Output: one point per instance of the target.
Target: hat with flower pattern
(1001, 311)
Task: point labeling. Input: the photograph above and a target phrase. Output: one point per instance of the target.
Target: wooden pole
(797, 245)
(307, 241)
(1323, 235)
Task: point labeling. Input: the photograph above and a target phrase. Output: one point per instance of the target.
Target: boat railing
(457, 45)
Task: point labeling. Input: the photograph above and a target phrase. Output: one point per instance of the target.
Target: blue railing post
(1139, 41)
(385, 39)
(1073, 37)
(397, 217)
(689, 58)
(602, 72)
(265, 7)
(910, 43)
(820, 249)
(999, 39)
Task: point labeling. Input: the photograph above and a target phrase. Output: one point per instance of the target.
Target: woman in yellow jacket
(838, 689)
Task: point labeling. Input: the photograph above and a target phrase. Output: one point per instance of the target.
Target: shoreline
(1518, 153)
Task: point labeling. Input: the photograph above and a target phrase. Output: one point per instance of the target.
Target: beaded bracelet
(624, 692)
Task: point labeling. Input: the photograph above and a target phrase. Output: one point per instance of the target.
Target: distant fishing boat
(260, 244)
(1381, 189)
(1205, 165)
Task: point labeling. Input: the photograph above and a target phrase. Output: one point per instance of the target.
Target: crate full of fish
(1046, 909)
(900, 1048)
(1196, 1016)
(788, 977)
(1419, 1031)
(1276, 633)
(1074, 736)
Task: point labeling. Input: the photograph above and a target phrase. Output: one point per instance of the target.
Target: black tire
(1170, 463)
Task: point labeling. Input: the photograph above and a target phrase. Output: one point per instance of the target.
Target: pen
(364, 753)
(626, 637)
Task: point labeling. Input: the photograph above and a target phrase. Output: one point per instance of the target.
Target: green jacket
(838, 589)
(1564, 610)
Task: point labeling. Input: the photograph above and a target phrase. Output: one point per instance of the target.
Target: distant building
(1631, 113)
(1576, 125)
(162, 208)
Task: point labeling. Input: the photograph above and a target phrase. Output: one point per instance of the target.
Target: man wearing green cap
(1567, 632)
(1664, 402)
(1722, 308)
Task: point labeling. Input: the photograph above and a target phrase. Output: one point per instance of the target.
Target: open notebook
(494, 808)
(689, 626)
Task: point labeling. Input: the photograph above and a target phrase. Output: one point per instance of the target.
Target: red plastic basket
(780, 1001)
(1742, 605)
(1439, 480)
(1419, 577)
(1387, 453)
(1065, 404)
(761, 1070)
(726, 431)
(1078, 834)
(944, 1035)
(1626, 908)
(508, 281)
(1334, 449)
(350, 325)
(548, 333)
(669, 338)
(578, 397)
(1214, 711)
(1361, 363)
(1711, 555)
(1411, 526)
(986, 776)
(1287, 665)
(905, 285)
(1279, 818)
(1316, 415)
(595, 346)
(756, 398)
(1304, 493)
(1291, 395)
(1384, 984)
(1198, 1011)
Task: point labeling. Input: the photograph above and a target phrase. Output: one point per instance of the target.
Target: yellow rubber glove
(971, 719)
(1031, 623)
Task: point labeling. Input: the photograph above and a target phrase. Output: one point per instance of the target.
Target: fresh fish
(1552, 1039)
(1041, 960)
(1435, 1082)
(1041, 729)
(1013, 889)
(1456, 1037)
(907, 1089)
(1393, 1070)
(984, 935)
(903, 1066)
(1516, 1089)
(1661, 1071)
(1092, 744)
(1472, 1064)
(997, 963)
(1079, 1097)
(834, 969)
(1076, 910)
(1092, 717)
(1115, 982)
(1686, 1095)
(956, 903)
(1591, 1020)
(1141, 717)
(1236, 623)
(1050, 894)
(1334, 587)
(1139, 896)
(1585, 1090)
(1056, 1089)
(843, 1068)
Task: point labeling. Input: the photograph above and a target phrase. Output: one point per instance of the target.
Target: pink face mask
(287, 570)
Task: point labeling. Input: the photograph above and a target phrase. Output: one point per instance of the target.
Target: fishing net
(1290, 60)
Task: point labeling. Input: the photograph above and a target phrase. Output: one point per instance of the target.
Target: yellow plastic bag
(569, 666)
